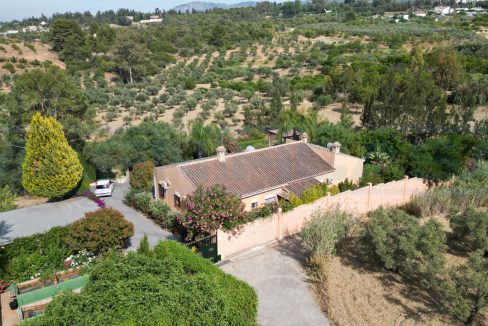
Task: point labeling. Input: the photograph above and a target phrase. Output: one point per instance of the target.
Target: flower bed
(90, 195)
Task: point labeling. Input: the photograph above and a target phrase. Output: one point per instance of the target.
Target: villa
(259, 176)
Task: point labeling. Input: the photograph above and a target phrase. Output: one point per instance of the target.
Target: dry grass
(358, 291)
(26, 201)
(354, 289)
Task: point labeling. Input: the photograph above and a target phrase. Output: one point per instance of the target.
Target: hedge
(175, 286)
(42, 254)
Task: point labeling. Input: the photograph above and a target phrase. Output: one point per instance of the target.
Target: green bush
(162, 214)
(7, 199)
(327, 231)
(174, 286)
(463, 293)
(158, 211)
(144, 247)
(99, 231)
(403, 245)
(38, 255)
(141, 176)
(471, 225)
(190, 84)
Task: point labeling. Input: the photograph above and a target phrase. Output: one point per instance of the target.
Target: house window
(163, 188)
(254, 205)
(270, 200)
(177, 200)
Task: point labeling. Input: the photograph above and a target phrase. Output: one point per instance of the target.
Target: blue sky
(18, 9)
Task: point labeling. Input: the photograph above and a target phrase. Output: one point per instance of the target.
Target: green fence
(48, 292)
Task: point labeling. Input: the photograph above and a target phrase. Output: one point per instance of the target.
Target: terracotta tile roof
(249, 173)
(299, 187)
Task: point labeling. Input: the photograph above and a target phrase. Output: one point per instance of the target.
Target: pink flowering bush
(90, 195)
(208, 209)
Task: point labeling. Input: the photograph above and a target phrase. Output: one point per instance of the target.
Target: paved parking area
(34, 219)
(276, 272)
(40, 218)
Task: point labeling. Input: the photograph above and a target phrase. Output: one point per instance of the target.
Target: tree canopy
(51, 168)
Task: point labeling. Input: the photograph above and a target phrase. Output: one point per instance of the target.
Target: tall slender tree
(51, 168)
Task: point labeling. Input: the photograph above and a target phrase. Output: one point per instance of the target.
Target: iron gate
(207, 247)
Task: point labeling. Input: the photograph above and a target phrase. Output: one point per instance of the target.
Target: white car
(104, 188)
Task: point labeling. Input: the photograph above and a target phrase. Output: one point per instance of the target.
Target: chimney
(221, 153)
(304, 137)
(335, 147)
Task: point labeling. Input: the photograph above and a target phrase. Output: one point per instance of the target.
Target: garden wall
(277, 226)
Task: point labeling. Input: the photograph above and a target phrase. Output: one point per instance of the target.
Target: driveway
(27, 221)
(142, 225)
(276, 272)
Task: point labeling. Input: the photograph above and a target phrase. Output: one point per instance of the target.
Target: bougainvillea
(208, 209)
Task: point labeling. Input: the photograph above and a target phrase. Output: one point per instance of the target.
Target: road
(30, 220)
(276, 273)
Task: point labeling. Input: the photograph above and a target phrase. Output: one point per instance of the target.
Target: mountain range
(202, 6)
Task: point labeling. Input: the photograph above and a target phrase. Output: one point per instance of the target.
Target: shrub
(435, 201)
(190, 84)
(471, 225)
(313, 193)
(144, 247)
(174, 285)
(208, 209)
(158, 211)
(142, 97)
(99, 231)
(464, 292)
(141, 176)
(162, 214)
(262, 212)
(7, 199)
(347, 185)
(41, 254)
(403, 245)
(327, 231)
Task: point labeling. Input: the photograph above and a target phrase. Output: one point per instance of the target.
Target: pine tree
(51, 168)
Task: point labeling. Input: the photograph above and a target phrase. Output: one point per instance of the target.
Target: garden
(44, 254)
(425, 262)
(167, 285)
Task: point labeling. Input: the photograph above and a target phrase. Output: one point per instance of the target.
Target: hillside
(202, 6)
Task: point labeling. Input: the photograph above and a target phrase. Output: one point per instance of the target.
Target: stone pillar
(278, 224)
(370, 190)
(405, 185)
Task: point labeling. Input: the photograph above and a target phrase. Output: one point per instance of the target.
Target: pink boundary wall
(277, 226)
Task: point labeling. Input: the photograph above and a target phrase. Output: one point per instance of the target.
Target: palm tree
(292, 120)
(203, 139)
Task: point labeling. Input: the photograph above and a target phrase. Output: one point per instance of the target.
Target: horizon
(23, 9)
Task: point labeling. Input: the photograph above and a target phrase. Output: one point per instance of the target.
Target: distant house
(259, 176)
(442, 10)
(420, 13)
(10, 32)
(152, 19)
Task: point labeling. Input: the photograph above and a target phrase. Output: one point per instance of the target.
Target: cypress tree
(51, 168)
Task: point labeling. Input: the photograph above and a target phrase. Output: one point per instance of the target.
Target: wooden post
(405, 183)
(370, 188)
